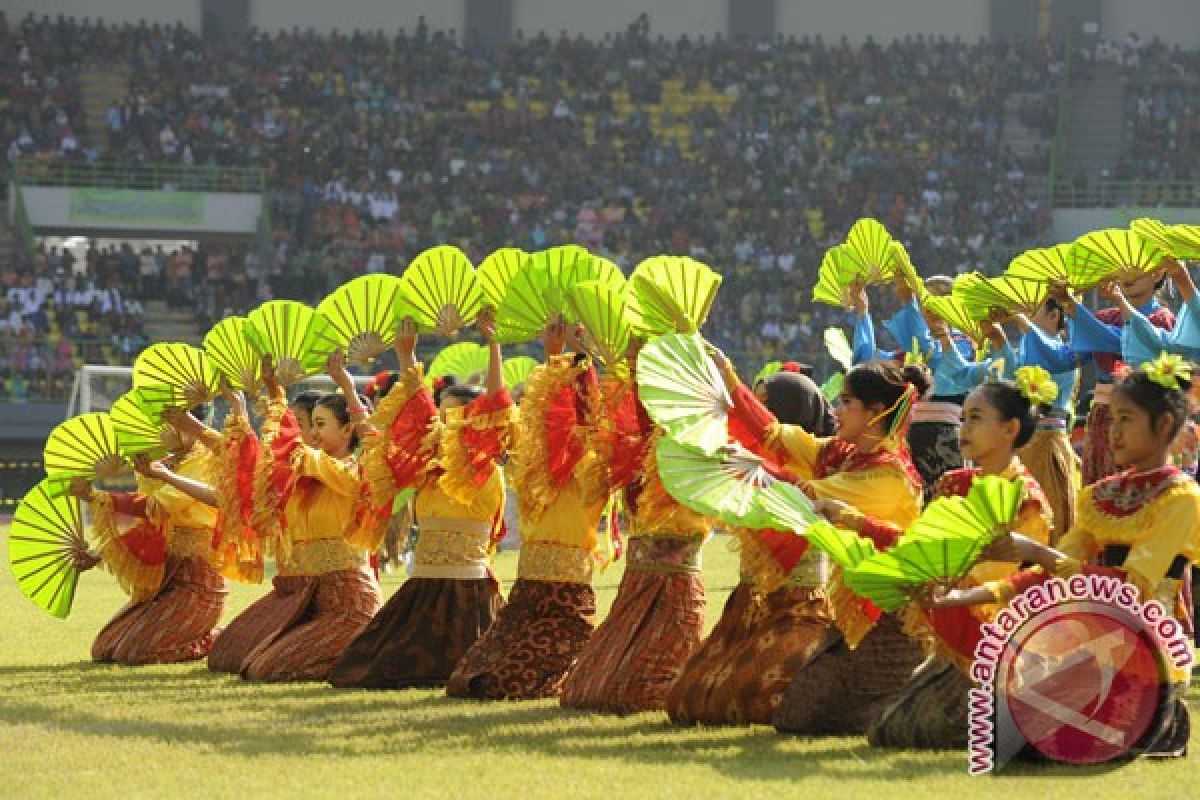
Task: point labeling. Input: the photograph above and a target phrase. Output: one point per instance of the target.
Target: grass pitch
(73, 729)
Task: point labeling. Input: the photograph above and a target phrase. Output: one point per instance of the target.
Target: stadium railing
(32, 172)
(1121, 194)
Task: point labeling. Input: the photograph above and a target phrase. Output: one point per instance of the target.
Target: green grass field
(70, 728)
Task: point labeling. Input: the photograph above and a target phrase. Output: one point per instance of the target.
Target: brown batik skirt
(840, 691)
(420, 635)
(178, 624)
(534, 642)
(308, 628)
(656, 622)
(739, 674)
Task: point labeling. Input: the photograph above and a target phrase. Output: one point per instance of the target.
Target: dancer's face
(330, 434)
(984, 433)
(305, 422)
(1136, 441)
(852, 417)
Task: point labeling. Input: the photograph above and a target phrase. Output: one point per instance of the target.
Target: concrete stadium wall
(346, 15)
(1176, 21)
(670, 18)
(1071, 223)
(856, 19)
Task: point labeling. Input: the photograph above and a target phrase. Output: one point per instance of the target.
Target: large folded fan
(768, 369)
(300, 339)
(231, 353)
(496, 272)
(1111, 253)
(981, 296)
(906, 272)
(363, 313)
(463, 360)
(871, 243)
(882, 579)
(539, 290)
(952, 311)
(180, 365)
(601, 309)
(83, 447)
(440, 291)
(517, 370)
(833, 385)
(729, 485)
(682, 390)
(839, 269)
(1181, 241)
(45, 545)
(845, 548)
(839, 347)
(140, 431)
(674, 294)
(1045, 264)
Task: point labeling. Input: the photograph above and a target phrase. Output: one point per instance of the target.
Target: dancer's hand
(270, 380)
(81, 488)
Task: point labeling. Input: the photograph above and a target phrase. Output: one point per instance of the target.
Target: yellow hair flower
(1037, 385)
(914, 354)
(1168, 370)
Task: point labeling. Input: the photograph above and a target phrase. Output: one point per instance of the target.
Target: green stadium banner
(136, 207)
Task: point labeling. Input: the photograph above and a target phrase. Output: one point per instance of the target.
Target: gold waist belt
(191, 543)
(439, 547)
(320, 556)
(546, 561)
(665, 554)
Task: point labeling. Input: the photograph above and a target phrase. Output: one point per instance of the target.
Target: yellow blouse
(882, 492)
(319, 516)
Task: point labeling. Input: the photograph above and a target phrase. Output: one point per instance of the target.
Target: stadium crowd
(751, 157)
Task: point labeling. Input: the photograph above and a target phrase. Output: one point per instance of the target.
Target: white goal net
(97, 387)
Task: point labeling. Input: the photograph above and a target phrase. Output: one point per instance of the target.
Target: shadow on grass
(190, 705)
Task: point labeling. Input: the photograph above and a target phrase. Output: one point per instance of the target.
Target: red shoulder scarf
(1127, 492)
(839, 456)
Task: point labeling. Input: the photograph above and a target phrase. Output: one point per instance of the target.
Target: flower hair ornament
(914, 355)
(903, 412)
(1037, 385)
(1169, 371)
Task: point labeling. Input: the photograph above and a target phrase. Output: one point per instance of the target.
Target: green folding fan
(682, 390)
(230, 353)
(180, 365)
(1044, 264)
(463, 360)
(831, 389)
(906, 272)
(839, 268)
(496, 272)
(1172, 239)
(140, 431)
(871, 243)
(601, 309)
(440, 291)
(524, 312)
(882, 579)
(1113, 253)
(768, 369)
(730, 484)
(674, 294)
(46, 545)
(363, 313)
(570, 265)
(839, 347)
(84, 446)
(982, 296)
(298, 338)
(952, 311)
(517, 371)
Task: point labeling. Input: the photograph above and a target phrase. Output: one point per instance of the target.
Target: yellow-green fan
(83, 447)
(1113, 253)
(363, 312)
(1044, 264)
(524, 312)
(180, 365)
(906, 272)
(871, 243)
(674, 294)
(298, 338)
(982, 296)
(440, 291)
(47, 548)
(601, 309)
(839, 269)
(570, 265)
(463, 360)
(139, 431)
(952, 311)
(517, 371)
(230, 352)
(1172, 239)
(496, 272)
